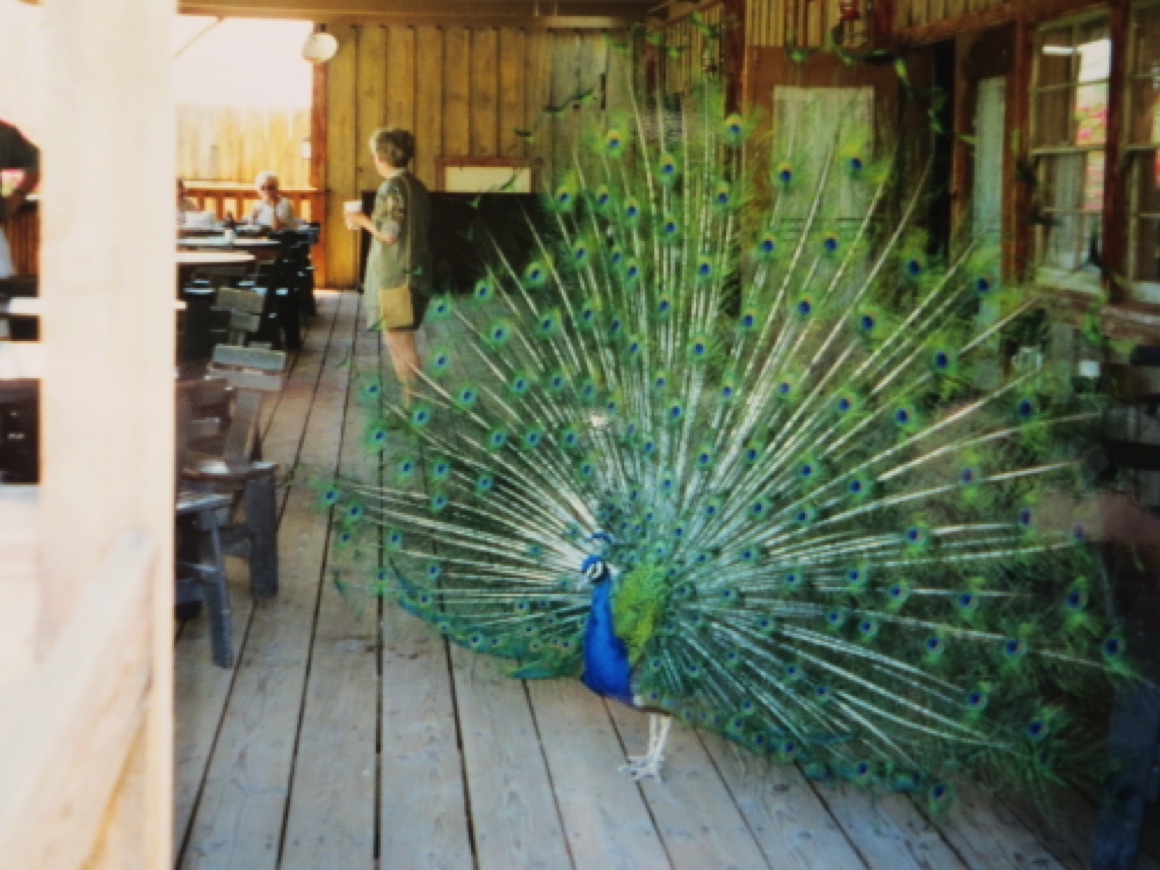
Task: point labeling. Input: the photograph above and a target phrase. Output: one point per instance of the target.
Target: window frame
(1134, 158)
(1042, 156)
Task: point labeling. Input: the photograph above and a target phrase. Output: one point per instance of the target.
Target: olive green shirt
(403, 209)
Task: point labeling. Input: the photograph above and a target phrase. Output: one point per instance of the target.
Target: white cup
(352, 206)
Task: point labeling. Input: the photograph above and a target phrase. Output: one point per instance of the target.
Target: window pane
(1063, 182)
(1053, 117)
(1145, 40)
(1091, 114)
(1147, 252)
(1073, 190)
(1093, 181)
(1095, 51)
(1060, 243)
(1056, 51)
(1146, 201)
(1144, 111)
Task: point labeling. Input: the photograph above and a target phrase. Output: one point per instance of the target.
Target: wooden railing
(238, 198)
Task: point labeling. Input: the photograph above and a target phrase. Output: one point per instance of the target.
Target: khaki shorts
(396, 308)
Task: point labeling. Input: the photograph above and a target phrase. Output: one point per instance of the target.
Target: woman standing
(398, 276)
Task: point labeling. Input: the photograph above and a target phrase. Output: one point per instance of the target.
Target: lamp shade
(320, 47)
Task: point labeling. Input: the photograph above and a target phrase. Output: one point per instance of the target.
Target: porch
(363, 740)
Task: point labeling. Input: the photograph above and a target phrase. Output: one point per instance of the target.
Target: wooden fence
(232, 143)
(239, 198)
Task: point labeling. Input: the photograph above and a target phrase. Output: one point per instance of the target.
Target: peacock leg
(633, 760)
(650, 764)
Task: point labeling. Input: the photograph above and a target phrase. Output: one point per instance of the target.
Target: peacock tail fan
(828, 541)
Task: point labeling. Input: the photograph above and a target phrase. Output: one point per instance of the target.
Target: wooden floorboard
(358, 739)
(695, 814)
(792, 826)
(331, 819)
(606, 819)
(201, 689)
(513, 811)
(239, 821)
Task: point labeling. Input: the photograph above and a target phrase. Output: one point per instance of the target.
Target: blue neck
(606, 668)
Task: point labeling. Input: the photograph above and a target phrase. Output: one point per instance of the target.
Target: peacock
(727, 443)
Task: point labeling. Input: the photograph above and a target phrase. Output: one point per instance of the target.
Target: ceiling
(527, 13)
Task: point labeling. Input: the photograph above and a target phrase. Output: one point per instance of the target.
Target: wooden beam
(948, 28)
(569, 14)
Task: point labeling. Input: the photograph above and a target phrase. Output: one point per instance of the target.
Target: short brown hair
(394, 145)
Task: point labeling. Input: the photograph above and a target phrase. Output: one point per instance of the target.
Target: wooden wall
(917, 13)
(697, 52)
(229, 143)
(801, 23)
(463, 91)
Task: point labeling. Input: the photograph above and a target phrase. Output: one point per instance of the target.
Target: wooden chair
(1132, 446)
(19, 397)
(235, 471)
(241, 311)
(198, 545)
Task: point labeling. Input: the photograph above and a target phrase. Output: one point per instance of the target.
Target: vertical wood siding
(464, 92)
(800, 23)
(806, 23)
(227, 143)
(917, 13)
(693, 51)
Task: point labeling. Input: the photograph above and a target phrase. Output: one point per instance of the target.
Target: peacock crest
(730, 367)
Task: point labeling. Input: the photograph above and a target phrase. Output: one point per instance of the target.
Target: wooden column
(1115, 229)
(318, 169)
(107, 278)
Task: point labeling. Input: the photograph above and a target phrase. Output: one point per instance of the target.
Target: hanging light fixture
(319, 47)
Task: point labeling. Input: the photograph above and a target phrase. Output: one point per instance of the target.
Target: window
(1142, 151)
(1069, 137)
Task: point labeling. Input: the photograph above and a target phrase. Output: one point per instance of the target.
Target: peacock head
(594, 571)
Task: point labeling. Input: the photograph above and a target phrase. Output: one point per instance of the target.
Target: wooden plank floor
(360, 740)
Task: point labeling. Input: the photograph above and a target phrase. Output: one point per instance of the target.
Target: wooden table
(212, 258)
(218, 242)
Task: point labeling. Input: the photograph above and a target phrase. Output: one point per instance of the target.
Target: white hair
(264, 177)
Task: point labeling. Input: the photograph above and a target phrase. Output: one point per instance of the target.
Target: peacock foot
(643, 767)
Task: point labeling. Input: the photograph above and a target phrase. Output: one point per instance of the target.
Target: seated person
(273, 210)
(185, 205)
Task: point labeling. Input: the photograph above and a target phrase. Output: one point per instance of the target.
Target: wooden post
(318, 205)
(1115, 228)
(108, 276)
